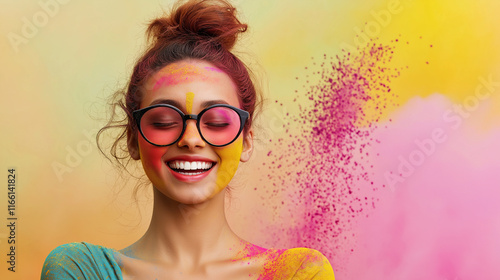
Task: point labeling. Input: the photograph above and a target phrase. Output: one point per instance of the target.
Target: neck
(187, 235)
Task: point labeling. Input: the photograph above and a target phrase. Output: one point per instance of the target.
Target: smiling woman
(189, 105)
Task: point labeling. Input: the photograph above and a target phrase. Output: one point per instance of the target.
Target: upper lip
(190, 158)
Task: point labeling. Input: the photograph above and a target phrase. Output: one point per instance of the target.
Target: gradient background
(441, 222)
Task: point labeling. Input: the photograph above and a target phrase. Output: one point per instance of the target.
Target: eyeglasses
(163, 125)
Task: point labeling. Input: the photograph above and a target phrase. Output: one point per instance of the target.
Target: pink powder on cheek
(151, 157)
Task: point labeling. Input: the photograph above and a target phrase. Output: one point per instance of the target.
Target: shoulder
(304, 263)
(69, 249)
(78, 260)
(63, 262)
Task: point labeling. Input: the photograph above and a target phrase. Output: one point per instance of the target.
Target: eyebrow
(166, 101)
(212, 102)
(179, 105)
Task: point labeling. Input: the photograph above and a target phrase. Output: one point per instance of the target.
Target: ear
(247, 146)
(132, 145)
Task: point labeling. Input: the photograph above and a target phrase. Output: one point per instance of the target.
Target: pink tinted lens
(220, 125)
(161, 125)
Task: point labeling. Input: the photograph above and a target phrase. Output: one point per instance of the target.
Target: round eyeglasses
(163, 125)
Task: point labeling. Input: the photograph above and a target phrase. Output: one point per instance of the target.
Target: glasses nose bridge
(190, 117)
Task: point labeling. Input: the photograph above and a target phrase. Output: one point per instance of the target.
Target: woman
(189, 104)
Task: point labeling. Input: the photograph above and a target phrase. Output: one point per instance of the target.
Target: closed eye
(161, 125)
(217, 124)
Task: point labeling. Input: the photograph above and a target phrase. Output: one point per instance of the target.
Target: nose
(191, 137)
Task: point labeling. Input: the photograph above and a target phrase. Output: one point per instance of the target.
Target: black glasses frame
(244, 115)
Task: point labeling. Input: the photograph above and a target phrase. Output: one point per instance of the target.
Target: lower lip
(190, 178)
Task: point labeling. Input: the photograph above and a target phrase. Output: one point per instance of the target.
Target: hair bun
(199, 21)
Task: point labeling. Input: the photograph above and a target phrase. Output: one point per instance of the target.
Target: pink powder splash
(442, 221)
(439, 221)
(318, 168)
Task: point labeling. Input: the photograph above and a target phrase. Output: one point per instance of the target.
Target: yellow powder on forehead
(189, 102)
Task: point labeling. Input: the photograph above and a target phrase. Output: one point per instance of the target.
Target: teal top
(81, 261)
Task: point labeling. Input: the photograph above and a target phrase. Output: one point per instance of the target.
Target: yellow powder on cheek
(189, 102)
(230, 158)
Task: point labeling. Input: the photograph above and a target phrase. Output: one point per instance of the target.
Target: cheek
(151, 158)
(230, 158)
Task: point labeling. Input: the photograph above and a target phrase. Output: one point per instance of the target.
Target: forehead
(175, 80)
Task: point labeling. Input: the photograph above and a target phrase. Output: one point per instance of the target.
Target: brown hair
(196, 29)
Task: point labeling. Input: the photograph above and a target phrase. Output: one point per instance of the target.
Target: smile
(190, 168)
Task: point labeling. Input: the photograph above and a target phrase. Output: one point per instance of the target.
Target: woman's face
(191, 86)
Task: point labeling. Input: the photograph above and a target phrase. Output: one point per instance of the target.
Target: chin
(190, 194)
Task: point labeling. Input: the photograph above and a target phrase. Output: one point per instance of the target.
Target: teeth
(189, 165)
(189, 173)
